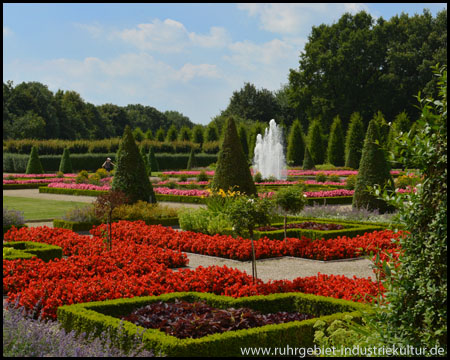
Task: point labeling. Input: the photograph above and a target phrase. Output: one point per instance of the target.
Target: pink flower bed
(187, 172)
(184, 182)
(79, 186)
(35, 181)
(314, 194)
(192, 192)
(37, 175)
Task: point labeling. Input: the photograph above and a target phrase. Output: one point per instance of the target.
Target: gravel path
(267, 269)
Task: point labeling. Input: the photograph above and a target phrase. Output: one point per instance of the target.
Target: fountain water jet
(269, 157)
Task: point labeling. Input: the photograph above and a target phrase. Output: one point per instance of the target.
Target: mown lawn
(37, 209)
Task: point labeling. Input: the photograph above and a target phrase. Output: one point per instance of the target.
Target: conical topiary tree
(65, 166)
(232, 171)
(354, 141)
(243, 138)
(145, 160)
(336, 147)
(154, 166)
(130, 176)
(374, 169)
(308, 162)
(296, 145)
(191, 161)
(316, 146)
(34, 165)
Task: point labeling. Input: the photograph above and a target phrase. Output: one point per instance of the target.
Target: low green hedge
(17, 163)
(44, 189)
(84, 226)
(22, 186)
(350, 230)
(336, 200)
(96, 317)
(181, 198)
(24, 249)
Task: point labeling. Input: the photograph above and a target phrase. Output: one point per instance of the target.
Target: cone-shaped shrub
(192, 163)
(308, 163)
(145, 160)
(154, 166)
(34, 165)
(232, 167)
(243, 139)
(65, 166)
(130, 176)
(160, 135)
(373, 169)
(296, 145)
(336, 147)
(354, 141)
(316, 147)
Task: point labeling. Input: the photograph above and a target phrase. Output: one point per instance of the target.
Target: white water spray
(269, 157)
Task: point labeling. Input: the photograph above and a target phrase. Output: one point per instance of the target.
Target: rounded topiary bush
(34, 165)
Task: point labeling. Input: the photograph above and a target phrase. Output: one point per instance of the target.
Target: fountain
(269, 157)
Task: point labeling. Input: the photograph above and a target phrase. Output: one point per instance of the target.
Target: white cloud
(297, 18)
(95, 30)
(170, 36)
(7, 32)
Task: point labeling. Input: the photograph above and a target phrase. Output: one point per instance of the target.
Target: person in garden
(108, 165)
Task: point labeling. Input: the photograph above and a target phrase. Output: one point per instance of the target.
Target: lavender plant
(346, 213)
(12, 217)
(81, 214)
(24, 336)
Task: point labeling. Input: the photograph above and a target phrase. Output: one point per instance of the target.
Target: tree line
(32, 111)
(356, 65)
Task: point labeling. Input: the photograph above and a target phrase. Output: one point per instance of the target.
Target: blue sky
(186, 57)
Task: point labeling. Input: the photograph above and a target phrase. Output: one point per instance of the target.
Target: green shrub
(82, 177)
(296, 145)
(232, 170)
(191, 161)
(321, 177)
(257, 178)
(66, 165)
(316, 147)
(350, 182)
(34, 165)
(308, 163)
(130, 176)
(142, 210)
(28, 249)
(354, 141)
(373, 170)
(336, 146)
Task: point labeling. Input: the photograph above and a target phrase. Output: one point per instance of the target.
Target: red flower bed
(136, 267)
(226, 246)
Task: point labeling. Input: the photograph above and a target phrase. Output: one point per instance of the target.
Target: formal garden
(110, 277)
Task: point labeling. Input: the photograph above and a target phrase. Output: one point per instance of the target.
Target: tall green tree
(197, 134)
(130, 176)
(336, 146)
(232, 170)
(252, 104)
(354, 141)
(172, 133)
(365, 65)
(373, 170)
(315, 140)
(296, 145)
(185, 134)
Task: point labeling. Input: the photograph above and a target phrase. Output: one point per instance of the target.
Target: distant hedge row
(17, 163)
(56, 147)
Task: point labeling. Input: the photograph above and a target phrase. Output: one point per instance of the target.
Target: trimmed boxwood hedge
(22, 186)
(350, 230)
(17, 163)
(84, 226)
(24, 249)
(96, 317)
